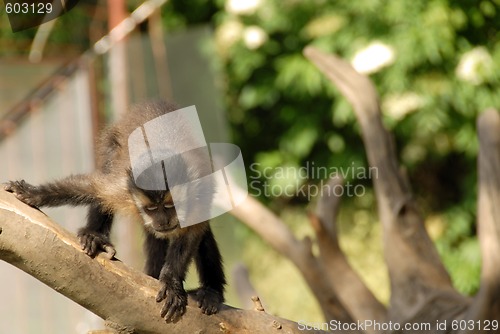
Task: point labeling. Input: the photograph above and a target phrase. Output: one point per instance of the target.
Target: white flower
(475, 66)
(254, 37)
(373, 58)
(242, 7)
(399, 105)
(228, 33)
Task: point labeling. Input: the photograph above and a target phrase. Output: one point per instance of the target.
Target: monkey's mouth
(166, 229)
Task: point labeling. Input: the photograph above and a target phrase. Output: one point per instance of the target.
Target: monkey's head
(157, 211)
(151, 195)
(150, 191)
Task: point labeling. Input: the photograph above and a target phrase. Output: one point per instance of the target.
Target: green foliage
(460, 251)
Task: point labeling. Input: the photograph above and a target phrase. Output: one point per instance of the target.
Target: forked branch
(274, 231)
(415, 269)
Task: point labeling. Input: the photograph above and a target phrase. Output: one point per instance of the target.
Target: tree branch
(272, 229)
(486, 305)
(355, 295)
(415, 269)
(30, 241)
(244, 288)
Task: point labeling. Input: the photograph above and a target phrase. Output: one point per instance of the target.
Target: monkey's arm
(209, 264)
(72, 190)
(172, 275)
(94, 237)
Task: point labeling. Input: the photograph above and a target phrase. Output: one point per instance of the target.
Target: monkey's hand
(93, 243)
(209, 300)
(25, 192)
(175, 301)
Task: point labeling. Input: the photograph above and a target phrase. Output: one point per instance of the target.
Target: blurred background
(436, 65)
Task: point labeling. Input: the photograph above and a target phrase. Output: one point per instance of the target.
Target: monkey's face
(157, 211)
(150, 190)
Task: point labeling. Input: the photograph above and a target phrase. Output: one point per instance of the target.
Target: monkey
(112, 189)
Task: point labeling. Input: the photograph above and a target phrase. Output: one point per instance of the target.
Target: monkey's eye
(151, 208)
(168, 206)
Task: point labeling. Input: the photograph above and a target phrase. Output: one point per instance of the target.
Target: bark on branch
(486, 304)
(339, 290)
(122, 296)
(274, 231)
(358, 299)
(415, 270)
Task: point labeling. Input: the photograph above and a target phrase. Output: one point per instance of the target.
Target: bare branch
(244, 288)
(30, 241)
(414, 265)
(272, 229)
(328, 206)
(266, 224)
(486, 304)
(354, 294)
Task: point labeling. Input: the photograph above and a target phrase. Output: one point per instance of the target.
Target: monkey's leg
(156, 251)
(209, 264)
(172, 275)
(94, 237)
(72, 190)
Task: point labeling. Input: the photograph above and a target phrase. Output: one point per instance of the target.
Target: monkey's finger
(172, 308)
(161, 294)
(84, 243)
(210, 309)
(92, 248)
(167, 307)
(10, 184)
(13, 186)
(7, 186)
(109, 251)
(174, 313)
(169, 316)
(83, 246)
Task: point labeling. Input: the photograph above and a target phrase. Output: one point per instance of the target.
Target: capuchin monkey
(112, 189)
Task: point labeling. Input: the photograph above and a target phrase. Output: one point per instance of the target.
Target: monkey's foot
(94, 243)
(209, 300)
(24, 192)
(175, 303)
